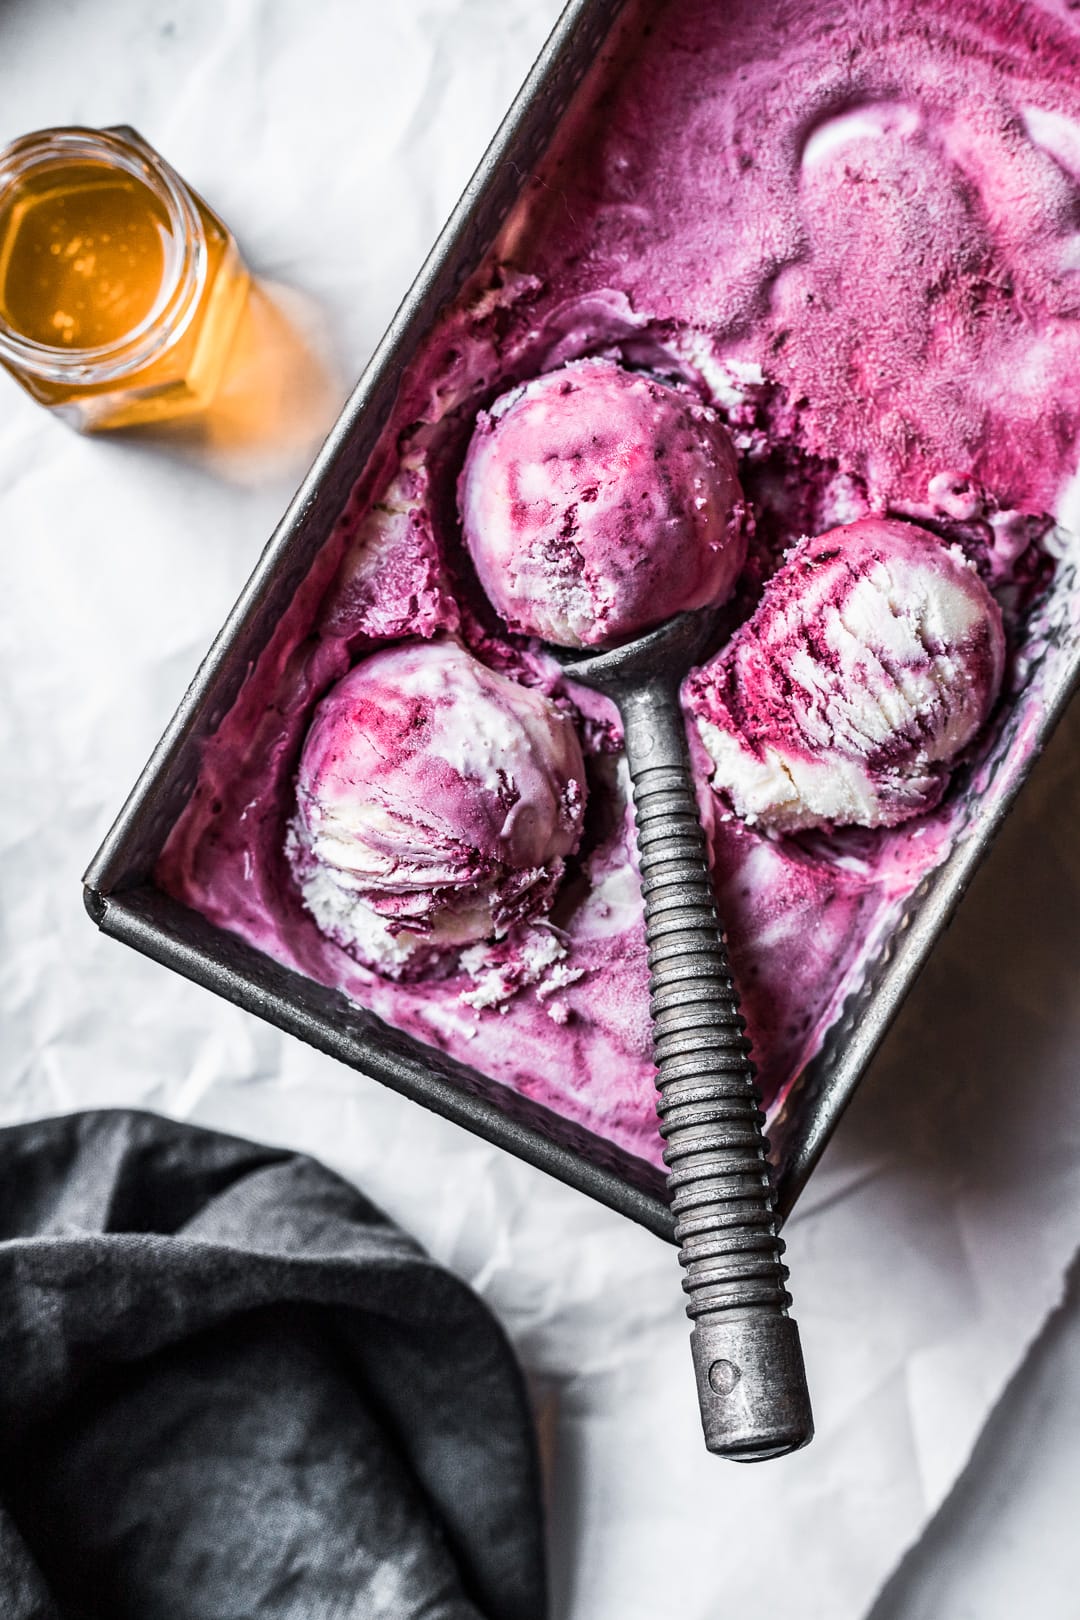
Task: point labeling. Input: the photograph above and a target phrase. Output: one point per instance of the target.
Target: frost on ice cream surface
(873, 659)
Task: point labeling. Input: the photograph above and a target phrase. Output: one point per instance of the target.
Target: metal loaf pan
(124, 901)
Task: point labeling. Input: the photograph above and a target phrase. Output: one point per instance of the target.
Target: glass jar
(120, 290)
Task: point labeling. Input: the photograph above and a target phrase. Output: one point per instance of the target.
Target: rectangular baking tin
(124, 901)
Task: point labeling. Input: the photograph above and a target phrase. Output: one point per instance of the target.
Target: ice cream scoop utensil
(747, 1356)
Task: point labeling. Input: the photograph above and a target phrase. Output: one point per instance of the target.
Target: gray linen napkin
(231, 1389)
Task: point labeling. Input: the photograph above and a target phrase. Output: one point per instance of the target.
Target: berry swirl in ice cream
(597, 502)
(436, 804)
(873, 659)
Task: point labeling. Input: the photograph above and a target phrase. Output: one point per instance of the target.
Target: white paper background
(936, 1236)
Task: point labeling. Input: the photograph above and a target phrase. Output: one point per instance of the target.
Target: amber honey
(120, 290)
(84, 254)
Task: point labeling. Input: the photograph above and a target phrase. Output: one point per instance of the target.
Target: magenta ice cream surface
(848, 234)
(872, 660)
(436, 803)
(597, 502)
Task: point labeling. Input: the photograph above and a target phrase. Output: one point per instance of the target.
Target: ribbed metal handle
(747, 1357)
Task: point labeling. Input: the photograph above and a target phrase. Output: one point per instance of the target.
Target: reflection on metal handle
(751, 1382)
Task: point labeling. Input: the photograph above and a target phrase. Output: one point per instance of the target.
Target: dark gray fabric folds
(231, 1389)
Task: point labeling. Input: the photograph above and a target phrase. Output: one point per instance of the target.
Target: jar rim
(184, 271)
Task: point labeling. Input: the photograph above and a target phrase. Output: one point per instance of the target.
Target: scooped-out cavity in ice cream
(437, 802)
(874, 657)
(597, 502)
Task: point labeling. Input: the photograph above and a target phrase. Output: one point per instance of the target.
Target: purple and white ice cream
(436, 804)
(597, 502)
(852, 231)
(874, 657)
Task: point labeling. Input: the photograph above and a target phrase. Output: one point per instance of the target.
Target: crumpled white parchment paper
(934, 1238)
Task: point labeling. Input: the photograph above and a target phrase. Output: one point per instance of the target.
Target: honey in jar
(120, 290)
